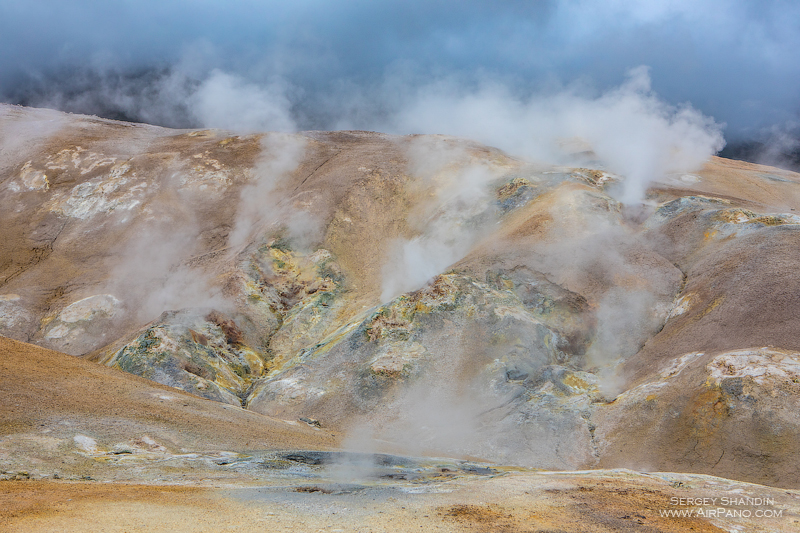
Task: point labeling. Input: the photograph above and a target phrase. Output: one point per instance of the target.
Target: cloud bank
(328, 63)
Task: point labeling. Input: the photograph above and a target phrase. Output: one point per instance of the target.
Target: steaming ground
(424, 296)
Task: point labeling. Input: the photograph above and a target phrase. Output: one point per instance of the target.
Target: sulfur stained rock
(307, 293)
(516, 193)
(15, 319)
(204, 355)
(373, 370)
(558, 308)
(284, 301)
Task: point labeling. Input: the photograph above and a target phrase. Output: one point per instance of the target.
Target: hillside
(419, 295)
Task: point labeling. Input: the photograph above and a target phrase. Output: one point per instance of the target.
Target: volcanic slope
(69, 418)
(425, 291)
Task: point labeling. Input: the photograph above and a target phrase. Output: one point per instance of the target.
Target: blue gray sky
(355, 63)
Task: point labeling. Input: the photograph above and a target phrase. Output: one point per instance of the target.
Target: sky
(311, 64)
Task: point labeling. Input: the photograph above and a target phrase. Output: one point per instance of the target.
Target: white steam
(259, 205)
(229, 102)
(449, 224)
(629, 129)
(152, 275)
(439, 419)
(154, 270)
(179, 99)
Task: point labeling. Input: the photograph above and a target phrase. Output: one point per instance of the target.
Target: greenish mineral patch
(204, 355)
(516, 193)
(287, 301)
(397, 346)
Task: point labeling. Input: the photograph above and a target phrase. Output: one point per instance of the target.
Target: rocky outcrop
(202, 355)
(734, 413)
(281, 301)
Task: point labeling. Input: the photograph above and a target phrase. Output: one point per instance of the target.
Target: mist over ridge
(317, 65)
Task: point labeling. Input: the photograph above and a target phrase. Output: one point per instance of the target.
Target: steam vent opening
(399, 267)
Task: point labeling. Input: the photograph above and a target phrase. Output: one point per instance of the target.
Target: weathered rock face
(731, 412)
(284, 302)
(460, 358)
(423, 290)
(202, 355)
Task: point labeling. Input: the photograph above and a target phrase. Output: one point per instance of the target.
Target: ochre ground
(516, 502)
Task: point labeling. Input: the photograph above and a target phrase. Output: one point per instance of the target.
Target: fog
(327, 64)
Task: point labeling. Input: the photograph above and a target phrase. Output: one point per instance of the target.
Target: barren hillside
(425, 296)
